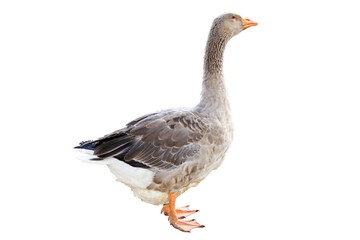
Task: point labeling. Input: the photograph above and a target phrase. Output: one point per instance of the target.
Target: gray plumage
(179, 147)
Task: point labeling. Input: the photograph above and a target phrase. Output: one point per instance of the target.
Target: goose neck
(214, 96)
(213, 60)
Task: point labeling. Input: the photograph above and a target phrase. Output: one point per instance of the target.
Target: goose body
(162, 154)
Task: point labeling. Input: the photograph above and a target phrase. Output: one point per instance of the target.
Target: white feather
(89, 155)
(85, 151)
(138, 179)
(132, 176)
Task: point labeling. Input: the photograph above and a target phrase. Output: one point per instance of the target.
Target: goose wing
(161, 140)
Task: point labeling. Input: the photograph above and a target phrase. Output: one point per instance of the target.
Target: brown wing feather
(160, 141)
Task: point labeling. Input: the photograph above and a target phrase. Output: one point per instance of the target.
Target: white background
(76, 70)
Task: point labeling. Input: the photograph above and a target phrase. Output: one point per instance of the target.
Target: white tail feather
(89, 156)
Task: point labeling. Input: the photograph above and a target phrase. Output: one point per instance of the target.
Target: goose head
(231, 24)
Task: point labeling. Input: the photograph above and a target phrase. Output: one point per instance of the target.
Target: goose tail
(86, 148)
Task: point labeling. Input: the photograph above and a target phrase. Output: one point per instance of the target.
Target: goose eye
(233, 17)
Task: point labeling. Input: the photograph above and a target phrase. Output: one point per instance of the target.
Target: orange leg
(180, 213)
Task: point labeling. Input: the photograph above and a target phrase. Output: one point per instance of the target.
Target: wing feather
(112, 145)
(161, 141)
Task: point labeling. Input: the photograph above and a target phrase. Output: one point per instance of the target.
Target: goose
(162, 154)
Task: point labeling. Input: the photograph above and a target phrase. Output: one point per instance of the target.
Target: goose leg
(176, 214)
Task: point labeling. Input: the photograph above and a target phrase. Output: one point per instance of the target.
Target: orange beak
(248, 23)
